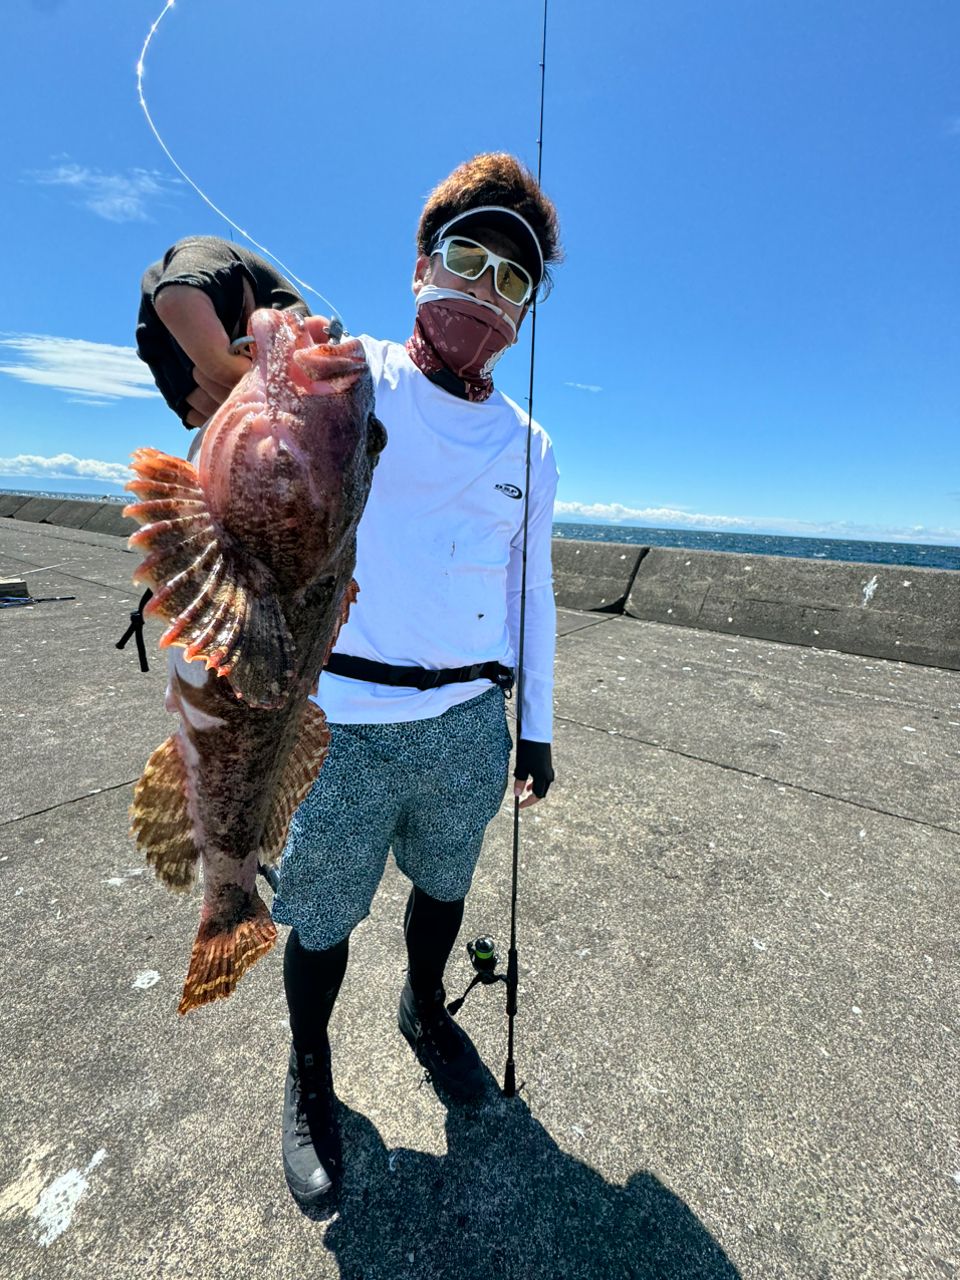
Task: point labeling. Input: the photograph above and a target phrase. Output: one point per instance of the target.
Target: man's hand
(533, 763)
(190, 317)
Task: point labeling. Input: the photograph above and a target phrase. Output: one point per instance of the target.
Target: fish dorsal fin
(222, 606)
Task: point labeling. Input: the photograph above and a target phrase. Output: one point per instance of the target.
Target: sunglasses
(469, 260)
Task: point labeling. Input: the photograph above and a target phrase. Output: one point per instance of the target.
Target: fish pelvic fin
(350, 593)
(160, 821)
(221, 605)
(226, 946)
(308, 754)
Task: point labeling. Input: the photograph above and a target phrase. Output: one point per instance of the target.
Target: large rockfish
(250, 555)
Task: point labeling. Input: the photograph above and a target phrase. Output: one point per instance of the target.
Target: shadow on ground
(507, 1203)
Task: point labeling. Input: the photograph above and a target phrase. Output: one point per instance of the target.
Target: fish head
(287, 461)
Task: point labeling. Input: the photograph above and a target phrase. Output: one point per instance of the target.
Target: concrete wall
(884, 611)
(71, 513)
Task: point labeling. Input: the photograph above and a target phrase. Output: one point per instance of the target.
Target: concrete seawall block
(883, 611)
(73, 513)
(109, 518)
(10, 503)
(594, 575)
(37, 509)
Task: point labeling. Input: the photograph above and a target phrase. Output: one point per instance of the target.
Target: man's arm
(534, 767)
(189, 316)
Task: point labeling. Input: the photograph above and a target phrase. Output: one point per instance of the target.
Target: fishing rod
(482, 951)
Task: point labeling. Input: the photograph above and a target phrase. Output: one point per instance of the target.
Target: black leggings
(312, 979)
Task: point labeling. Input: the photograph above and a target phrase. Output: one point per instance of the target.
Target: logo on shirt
(510, 490)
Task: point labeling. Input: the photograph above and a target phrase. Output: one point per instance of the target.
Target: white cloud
(118, 197)
(615, 512)
(677, 518)
(583, 386)
(96, 371)
(64, 466)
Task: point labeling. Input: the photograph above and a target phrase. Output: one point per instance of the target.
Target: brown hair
(494, 177)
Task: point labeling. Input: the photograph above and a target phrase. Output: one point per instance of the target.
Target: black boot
(442, 1047)
(312, 1152)
(430, 928)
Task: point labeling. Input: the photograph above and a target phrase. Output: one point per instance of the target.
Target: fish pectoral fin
(226, 946)
(221, 606)
(299, 775)
(160, 821)
(254, 650)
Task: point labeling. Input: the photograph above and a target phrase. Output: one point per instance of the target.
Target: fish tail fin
(160, 821)
(226, 947)
(220, 605)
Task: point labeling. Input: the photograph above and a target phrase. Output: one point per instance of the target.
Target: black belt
(344, 664)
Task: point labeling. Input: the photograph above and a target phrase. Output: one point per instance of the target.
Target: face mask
(462, 335)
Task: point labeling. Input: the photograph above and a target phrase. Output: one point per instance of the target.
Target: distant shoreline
(80, 496)
(866, 550)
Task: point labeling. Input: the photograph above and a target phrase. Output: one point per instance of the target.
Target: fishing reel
(484, 958)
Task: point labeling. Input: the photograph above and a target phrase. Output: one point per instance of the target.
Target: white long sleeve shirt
(439, 551)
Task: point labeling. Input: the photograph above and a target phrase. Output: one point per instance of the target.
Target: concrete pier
(738, 1029)
(880, 611)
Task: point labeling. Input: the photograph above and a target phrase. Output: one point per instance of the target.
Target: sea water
(760, 544)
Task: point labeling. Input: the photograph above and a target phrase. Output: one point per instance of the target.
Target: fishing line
(335, 314)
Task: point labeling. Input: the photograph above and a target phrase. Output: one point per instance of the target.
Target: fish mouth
(331, 369)
(296, 348)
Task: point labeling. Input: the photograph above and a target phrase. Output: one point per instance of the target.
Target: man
(414, 691)
(194, 302)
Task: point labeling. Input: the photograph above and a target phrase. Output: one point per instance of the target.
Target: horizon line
(599, 522)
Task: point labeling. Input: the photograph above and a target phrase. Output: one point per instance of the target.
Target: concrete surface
(881, 611)
(739, 991)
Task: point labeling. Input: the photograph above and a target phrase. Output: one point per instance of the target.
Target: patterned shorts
(426, 788)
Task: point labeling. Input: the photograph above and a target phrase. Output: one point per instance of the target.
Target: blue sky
(755, 327)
